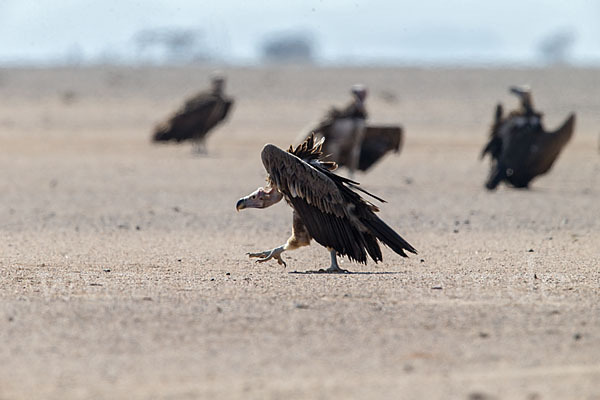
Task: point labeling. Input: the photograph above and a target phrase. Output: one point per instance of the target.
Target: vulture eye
(253, 196)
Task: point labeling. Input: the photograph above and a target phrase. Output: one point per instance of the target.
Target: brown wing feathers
(334, 214)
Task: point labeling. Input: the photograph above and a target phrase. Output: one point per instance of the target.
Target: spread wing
(334, 214)
(549, 145)
(379, 140)
(197, 116)
(324, 126)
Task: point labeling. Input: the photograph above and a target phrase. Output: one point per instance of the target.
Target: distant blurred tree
(289, 48)
(556, 47)
(171, 45)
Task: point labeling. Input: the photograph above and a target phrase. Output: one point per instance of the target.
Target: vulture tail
(388, 236)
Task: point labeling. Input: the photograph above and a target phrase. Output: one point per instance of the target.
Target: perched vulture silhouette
(327, 207)
(520, 147)
(197, 117)
(349, 141)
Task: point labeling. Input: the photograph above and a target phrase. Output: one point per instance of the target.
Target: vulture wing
(333, 213)
(494, 146)
(378, 140)
(324, 126)
(549, 145)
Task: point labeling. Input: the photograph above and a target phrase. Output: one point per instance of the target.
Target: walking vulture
(350, 142)
(519, 146)
(197, 117)
(327, 207)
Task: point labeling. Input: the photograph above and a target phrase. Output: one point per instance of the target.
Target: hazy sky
(359, 31)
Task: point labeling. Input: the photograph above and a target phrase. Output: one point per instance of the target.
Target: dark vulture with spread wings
(327, 207)
(350, 141)
(197, 117)
(519, 146)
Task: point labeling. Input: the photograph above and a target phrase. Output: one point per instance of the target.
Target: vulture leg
(300, 237)
(199, 147)
(358, 136)
(334, 268)
(269, 254)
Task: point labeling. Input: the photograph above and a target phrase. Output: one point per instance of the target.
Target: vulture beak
(259, 199)
(240, 205)
(520, 90)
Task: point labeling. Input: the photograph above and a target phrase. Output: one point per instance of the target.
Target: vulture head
(524, 94)
(359, 91)
(217, 83)
(260, 198)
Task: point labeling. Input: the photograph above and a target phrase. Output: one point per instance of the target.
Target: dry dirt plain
(123, 271)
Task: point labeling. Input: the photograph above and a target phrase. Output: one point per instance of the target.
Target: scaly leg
(199, 147)
(269, 254)
(334, 268)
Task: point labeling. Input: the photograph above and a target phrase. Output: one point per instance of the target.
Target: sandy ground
(123, 271)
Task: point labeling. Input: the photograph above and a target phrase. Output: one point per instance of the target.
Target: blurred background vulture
(327, 207)
(519, 146)
(197, 117)
(350, 141)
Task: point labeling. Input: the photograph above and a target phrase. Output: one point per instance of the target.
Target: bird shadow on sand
(317, 272)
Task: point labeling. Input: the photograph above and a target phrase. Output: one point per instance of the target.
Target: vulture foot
(334, 268)
(269, 254)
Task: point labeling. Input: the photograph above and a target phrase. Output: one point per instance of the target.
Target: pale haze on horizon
(419, 32)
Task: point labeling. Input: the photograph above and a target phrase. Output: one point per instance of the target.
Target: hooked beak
(241, 204)
(253, 200)
(520, 90)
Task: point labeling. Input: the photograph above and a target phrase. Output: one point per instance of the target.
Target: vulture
(327, 207)
(350, 142)
(519, 146)
(197, 116)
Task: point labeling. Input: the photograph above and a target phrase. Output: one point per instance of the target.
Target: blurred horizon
(323, 32)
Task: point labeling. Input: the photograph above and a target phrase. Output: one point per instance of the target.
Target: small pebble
(147, 298)
(106, 270)
(437, 287)
(530, 251)
(455, 231)
(535, 276)
(577, 336)
(228, 273)
(484, 335)
(302, 306)
(212, 279)
(422, 260)
(479, 396)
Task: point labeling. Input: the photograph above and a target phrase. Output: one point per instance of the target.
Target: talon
(280, 261)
